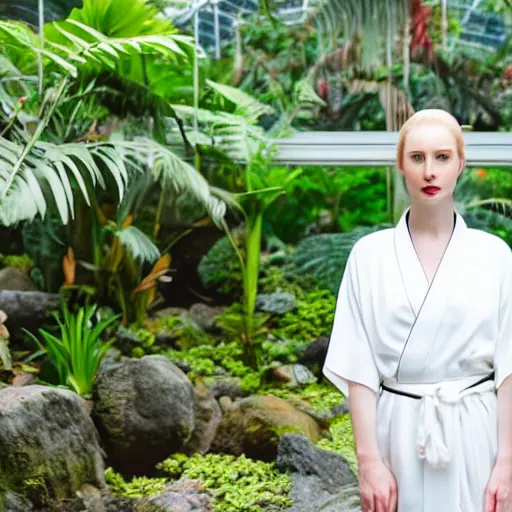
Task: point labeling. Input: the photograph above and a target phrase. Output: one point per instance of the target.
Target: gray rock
(207, 415)
(47, 436)
(311, 494)
(253, 426)
(166, 338)
(321, 480)
(27, 309)
(277, 302)
(293, 375)
(15, 503)
(144, 411)
(12, 278)
(314, 355)
(297, 454)
(182, 496)
(227, 386)
(204, 317)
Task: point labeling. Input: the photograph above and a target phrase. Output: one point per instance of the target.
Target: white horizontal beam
(378, 148)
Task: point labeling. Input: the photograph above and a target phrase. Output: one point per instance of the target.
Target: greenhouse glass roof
(215, 21)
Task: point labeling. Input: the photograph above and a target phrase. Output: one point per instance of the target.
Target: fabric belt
(435, 401)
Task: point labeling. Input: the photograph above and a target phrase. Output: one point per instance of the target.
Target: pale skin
(430, 159)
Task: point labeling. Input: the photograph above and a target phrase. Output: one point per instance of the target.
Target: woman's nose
(429, 170)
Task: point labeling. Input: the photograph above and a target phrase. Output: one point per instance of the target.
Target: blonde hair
(434, 116)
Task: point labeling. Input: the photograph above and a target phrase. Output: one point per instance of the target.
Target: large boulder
(207, 416)
(297, 454)
(27, 309)
(49, 447)
(12, 278)
(144, 411)
(321, 480)
(253, 426)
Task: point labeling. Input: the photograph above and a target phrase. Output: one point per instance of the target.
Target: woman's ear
(462, 166)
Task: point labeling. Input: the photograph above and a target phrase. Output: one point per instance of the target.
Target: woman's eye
(417, 158)
(443, 157)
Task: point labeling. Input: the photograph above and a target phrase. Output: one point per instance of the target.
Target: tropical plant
(26, 160)
(77, 352)
(110, 57)
(257, 184)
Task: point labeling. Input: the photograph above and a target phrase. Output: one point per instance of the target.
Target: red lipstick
(431, 191)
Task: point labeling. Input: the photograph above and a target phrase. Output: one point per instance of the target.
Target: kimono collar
(414, 278)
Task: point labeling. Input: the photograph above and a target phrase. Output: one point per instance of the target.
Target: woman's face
(431, 164)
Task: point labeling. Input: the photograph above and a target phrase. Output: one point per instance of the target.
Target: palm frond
(247, 106)
(138, 244)
(45, 172)
(18, 37)
(86, 44)
(169, 170)
(501, 204)
(232, 134)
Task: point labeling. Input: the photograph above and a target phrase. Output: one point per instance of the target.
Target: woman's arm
(505, 422)
(376, 482)
(498, 495)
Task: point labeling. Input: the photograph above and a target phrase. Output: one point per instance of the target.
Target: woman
(421, 341)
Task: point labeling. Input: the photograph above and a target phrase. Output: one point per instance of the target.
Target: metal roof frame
(377, 148)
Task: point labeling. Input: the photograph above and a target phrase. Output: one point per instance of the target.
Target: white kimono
(434, 342)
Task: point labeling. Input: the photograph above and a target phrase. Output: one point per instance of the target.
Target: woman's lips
(431, 191)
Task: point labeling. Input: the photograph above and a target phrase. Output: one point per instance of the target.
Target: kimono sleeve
(349, 355)
(503, 349)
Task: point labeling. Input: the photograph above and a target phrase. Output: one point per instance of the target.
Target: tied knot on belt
(436, 404)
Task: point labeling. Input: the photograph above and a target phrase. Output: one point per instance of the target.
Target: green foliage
(138, 487)
(284, 351)
(78, 352)
(190, 336)
(312, 318)
(330, 199)
(325, 256)
(476, 186)
(239, 484)
(208, 359)
(320, 397)
(276, 57)
(222, 359)
(235, 325)
(284, 279)
(136, 341)
(219, 268)
(22, 262)
(342, 440)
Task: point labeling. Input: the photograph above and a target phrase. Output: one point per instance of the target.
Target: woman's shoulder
(377, 240)
(487, 241)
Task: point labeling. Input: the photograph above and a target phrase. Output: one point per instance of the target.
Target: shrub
(220, 268)
(77, 353)
(239, 484)
(312, 318)
(324, 256)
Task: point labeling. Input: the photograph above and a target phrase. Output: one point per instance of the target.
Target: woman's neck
(430, 220)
